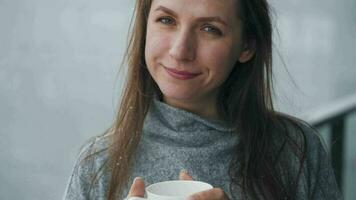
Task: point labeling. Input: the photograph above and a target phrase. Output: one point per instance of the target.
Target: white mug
(173, 190)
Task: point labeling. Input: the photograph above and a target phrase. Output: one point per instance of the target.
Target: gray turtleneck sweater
(174, 139)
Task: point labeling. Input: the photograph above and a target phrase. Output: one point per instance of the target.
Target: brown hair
(245, 100)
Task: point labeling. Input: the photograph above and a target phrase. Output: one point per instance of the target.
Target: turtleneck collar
(178, 120)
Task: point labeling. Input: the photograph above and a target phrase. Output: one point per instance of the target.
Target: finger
(183, 175)
(137, 188)
(215, 193)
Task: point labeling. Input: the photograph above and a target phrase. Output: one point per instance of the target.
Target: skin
(209, 48)
(138, 190)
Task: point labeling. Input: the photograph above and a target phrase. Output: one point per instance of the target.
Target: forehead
(225, 9)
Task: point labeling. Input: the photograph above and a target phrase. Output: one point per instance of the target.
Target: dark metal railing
(334, 115)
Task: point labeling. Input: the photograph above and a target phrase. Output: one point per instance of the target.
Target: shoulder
(93, 153)
(297, 144)
(95, 145)
(303, 138)
(89, 169)
(306, 147)
(300, 132)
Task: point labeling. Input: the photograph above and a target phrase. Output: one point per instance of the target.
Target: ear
(247, 52)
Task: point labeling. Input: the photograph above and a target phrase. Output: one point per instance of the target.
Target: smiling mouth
(182, 75)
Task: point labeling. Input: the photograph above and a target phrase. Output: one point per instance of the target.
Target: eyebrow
(213, 18)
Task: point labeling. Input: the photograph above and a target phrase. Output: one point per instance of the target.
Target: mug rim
(209, 186)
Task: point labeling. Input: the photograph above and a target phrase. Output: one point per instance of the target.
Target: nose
(183, 46)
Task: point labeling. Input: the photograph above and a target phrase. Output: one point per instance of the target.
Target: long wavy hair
(244, 100)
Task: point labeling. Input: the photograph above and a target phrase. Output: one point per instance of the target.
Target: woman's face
(192, 46)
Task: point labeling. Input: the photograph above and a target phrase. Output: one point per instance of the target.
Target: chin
(177, 95)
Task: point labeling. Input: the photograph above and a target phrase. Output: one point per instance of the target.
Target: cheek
(156, 46)
(220, 60)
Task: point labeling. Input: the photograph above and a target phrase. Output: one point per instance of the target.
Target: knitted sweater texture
(174, 139)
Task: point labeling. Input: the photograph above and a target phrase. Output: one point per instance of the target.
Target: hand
(211, 194)
(137, 188)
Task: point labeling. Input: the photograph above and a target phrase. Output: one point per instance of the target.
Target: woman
(198, 97)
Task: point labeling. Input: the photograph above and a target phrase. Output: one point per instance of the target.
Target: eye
(212, 29)
(165, 20)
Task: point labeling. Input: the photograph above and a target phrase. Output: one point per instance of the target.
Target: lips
(183, 75)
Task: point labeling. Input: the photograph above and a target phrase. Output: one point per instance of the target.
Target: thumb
(183, 175)
(137, 188)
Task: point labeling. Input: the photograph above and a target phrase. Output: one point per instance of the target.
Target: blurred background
(59, 82)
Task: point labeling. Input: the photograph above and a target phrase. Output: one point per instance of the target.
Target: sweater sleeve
(322, 182)
(79, 182)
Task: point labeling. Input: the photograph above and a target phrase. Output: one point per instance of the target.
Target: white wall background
(58, 79)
